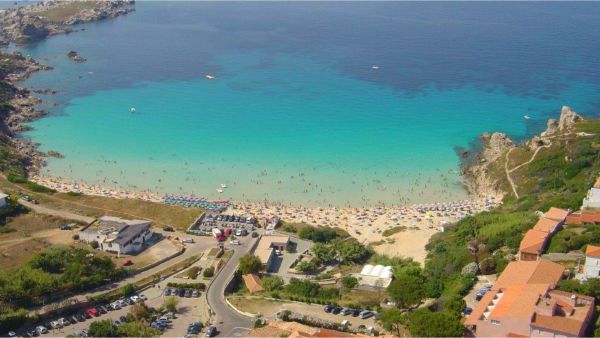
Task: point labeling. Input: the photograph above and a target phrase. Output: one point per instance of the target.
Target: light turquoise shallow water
(289, 120)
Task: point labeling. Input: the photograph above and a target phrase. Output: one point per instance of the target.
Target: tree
(351, 250)
(323, 252)
(349, 282)
(455, 305)
(407, 290)
(103, 328)
(128, 290)
(137, 329)
(272, 283)
(306, 267)
(249, 264)
(208, 272)
(171, 304)
(424, 323)
(139, 311)
(392, 320)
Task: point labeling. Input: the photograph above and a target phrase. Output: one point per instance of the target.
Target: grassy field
(95, 206)
(67, 10)
(393, 231)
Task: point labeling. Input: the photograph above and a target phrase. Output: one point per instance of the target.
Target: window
(495, 322)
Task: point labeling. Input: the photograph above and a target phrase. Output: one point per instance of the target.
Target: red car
(92, 312)
(127, 262)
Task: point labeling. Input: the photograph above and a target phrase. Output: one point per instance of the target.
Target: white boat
(526, 117)
(223, 185)
(209, 77)
(374, 67)
(132, 110)
(220, 191)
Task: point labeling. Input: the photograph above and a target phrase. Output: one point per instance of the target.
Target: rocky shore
(483, 170)
(38, 21)
(28, 24)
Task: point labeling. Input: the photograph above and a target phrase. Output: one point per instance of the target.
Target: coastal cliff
(17, 105)
(38, 21)
(487, 170)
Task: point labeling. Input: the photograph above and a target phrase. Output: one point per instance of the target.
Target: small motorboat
(220, 191)
(132, 110)
(375, 67)
(223, 185)
(526, 117)
(209, 77)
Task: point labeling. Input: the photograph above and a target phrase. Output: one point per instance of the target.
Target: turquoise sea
(297, 113)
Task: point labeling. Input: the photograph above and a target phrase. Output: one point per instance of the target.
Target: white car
(278, 252)
(135, 299)
(55, 324)
(41, 329)
(187, 240)
(234, 242)
(62, 321)
(115, 306)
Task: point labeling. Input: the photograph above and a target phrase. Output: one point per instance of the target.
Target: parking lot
(205, 225)
(470, 298)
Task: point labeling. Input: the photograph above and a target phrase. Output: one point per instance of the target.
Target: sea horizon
(305, 108)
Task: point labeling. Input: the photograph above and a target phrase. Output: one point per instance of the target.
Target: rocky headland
(483, 170)
(38, 21)
(25, 25)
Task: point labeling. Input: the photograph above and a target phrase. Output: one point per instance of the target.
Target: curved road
(229, 322)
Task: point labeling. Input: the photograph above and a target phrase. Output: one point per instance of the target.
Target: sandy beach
(418, 221)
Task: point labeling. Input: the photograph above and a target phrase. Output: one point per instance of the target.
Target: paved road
(228, 321)
(53, 212)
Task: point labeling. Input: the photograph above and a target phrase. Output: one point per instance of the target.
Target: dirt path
(509, 171)
(53, 212)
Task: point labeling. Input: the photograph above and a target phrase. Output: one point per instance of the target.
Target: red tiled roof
(252, 283)
(534, 241)
(592, 251)
(546, 224)
(590, 217)
(557, 214)
(534, 272)
(574, 218)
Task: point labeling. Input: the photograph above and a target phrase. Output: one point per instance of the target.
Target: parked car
(127, 262)
(467, 310)
(187, 240)
(142, 296)
(211, 331)
(115, 305)
(366, 314)
(328, 308)
(346, 311)
(41, 329)
(188, 293)
(63, 321)
(73, 319)
(55, 324)
(195, 293)
(12, 334)
(134, 299)
(194, 328)
(92, 312)
(87, 315)
(101, 310)
(479, 295)
(356, 312)
(336, 310)
(33, 333)
(254, 234)
(234, 242)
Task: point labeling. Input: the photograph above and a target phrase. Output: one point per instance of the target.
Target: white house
(3, 199)
(592, 262)
(592, 200)
(118, 235)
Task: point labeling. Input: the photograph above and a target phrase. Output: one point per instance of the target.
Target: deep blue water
(296, 112)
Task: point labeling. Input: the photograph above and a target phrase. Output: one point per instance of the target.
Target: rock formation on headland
(36, 22)
(27, 24)
(494, 146)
